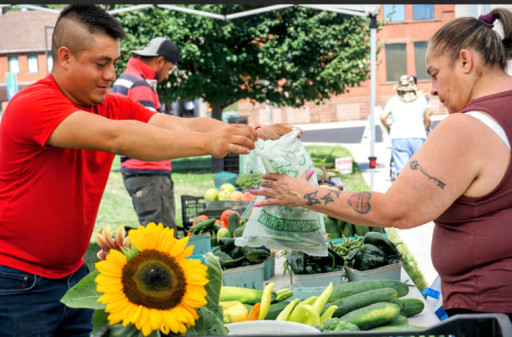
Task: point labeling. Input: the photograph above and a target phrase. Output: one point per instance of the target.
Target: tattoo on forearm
(360, 202)
(415, 165)
(327, 198)
(312, 199)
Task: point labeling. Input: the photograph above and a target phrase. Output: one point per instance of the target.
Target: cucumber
(351, 288)
(331, 228)
(410, 306)
(361, 230)
(372, 315)
(348, 230)
(233, 222)
(275, 309)
(399, 320)
(356, 301)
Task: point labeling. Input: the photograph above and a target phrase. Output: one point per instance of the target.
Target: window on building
(32, 63)
(396, 61)
(49, 63)
(394, 12)
(422, 12)
(420, 48)
(14, 66)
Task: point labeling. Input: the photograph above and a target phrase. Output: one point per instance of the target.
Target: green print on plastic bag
(288, 225)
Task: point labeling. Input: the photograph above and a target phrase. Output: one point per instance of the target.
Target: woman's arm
(450, 162)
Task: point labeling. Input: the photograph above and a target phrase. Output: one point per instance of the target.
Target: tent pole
(373, 51)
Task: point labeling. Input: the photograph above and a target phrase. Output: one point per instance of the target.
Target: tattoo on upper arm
(360, 202)
(312, 199)
(415, 165)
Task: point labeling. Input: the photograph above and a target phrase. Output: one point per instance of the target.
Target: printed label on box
(344, 165)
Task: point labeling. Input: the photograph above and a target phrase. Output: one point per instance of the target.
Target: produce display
(361, 305)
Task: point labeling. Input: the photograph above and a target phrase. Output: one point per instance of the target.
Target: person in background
(461, 178)
(149, 184)
(58, 139)
(410, 118)
(429, 111)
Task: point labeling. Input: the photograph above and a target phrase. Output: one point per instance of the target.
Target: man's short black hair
(95, 19)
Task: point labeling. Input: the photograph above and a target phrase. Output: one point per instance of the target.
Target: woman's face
(448, 81)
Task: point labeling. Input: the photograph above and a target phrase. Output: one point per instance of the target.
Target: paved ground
(418, 240)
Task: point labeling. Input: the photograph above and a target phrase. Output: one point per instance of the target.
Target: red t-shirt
(49, 196)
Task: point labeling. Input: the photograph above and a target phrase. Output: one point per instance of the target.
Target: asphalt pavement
(351, 136)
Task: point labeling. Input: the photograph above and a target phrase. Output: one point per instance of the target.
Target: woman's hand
(284, 190)
(275, 131)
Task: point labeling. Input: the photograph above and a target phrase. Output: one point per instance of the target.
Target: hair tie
(487, 19)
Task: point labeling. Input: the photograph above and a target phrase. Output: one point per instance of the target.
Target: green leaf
(118, 330)
(99, 320)
(215, 277)
(84, 294)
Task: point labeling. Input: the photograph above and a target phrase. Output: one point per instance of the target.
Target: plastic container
(215, 208)
(201, 242)
(389, 272)
(191, 207)
(269, 268)
(268, 327)
(248, 276)
(317, 280)
(224, 178)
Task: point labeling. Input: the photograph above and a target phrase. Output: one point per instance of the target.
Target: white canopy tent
(359, 10)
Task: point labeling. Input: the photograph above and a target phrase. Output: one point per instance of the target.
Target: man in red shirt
(58, 138)
(149, 184)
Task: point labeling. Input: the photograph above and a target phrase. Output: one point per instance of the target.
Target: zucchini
(356, 301)
(244, 295)
(275, 309)
(351, 288)
(331, 228)
(410, 306)
(372, 315)
(348, 230)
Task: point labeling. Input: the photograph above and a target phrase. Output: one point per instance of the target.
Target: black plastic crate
(230, 163)
(191, 207)
(463, 325)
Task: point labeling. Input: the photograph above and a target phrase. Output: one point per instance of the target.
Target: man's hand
(275, 131)
(234, 138)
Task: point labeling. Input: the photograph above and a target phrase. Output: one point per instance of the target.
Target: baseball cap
(160, 46)
(406, 83)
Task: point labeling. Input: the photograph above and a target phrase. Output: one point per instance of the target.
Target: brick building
(403, 44)
(23, 47)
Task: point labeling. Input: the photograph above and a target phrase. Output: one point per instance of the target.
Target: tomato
(199, 217)
(225, 215)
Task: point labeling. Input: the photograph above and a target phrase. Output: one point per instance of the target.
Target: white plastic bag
(279, 227)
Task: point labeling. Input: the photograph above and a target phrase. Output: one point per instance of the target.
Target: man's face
(91, 72)
(162, 72)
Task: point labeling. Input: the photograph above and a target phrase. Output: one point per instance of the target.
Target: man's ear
(466, 60)
(64, 56)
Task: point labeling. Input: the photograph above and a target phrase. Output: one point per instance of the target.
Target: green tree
(287, 57)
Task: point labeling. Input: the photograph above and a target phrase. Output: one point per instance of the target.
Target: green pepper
(256, 254)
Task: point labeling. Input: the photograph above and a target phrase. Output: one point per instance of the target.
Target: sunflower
(156, 288)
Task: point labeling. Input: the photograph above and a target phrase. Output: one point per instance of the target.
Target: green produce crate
(224, 178)
(317, 280)
(389, 272)
(201, 242)
(247, 276)
(270, 264)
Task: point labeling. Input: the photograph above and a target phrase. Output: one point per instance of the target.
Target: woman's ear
(466, 60)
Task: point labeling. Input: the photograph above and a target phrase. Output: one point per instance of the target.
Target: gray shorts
(153, 198)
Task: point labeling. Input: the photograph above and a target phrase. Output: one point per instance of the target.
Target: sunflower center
(154, 280)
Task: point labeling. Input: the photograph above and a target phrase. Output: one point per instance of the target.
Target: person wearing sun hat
(410, 118)
(149, 184)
